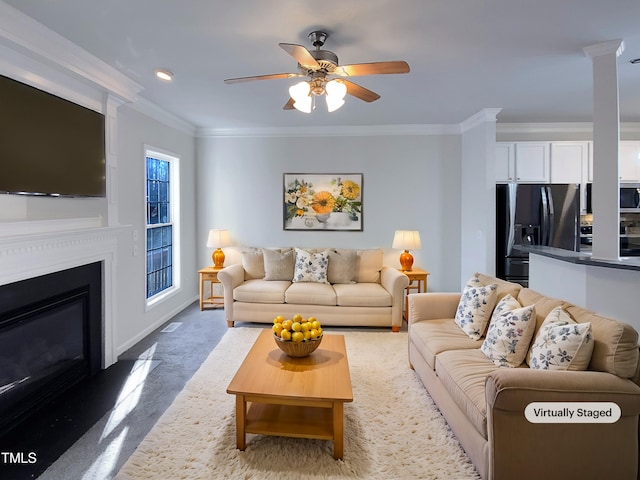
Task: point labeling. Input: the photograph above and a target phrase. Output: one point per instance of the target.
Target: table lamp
(218, 239)
(406, 240)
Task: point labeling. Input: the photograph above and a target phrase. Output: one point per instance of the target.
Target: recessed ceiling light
(164, 74)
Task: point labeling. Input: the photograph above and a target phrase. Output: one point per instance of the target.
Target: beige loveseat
(341, 287)
(484, 404)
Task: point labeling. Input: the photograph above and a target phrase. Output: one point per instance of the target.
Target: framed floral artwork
(322, 201)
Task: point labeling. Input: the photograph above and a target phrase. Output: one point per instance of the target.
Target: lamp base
(406, 261)
(218, 258)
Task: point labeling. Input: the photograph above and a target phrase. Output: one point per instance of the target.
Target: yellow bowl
(298, 349)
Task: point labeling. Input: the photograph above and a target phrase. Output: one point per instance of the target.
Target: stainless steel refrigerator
(534, 214)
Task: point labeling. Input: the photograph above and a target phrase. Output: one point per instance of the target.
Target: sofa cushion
(475, 307)
(311, 267)
(561, 343)
(510, 332)
(615, 343)
(261, 291)
(463, 373)
(253, 263)
(369, 265)
(504, 287)
(543, 304)
(310, 293)
(432, 337)
(278, 264)
(362, 295)
(343, 265)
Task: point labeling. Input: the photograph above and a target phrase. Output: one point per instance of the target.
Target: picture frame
(322, 201)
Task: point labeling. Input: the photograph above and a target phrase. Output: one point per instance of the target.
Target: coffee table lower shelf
(321, 420)
(290, 421)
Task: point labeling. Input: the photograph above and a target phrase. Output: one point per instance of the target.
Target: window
(162, 223)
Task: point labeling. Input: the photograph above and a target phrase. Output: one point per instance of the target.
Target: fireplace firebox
(50, 338)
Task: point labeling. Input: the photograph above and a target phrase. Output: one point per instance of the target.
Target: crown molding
(605, 48)
(152, 110)
(331, 131)
(24, 34)
(560, 127)
(483, 116)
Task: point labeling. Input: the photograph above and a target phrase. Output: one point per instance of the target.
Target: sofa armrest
(432, 305)
(513, 389)
(230, 277)
(608, 450)
(394, 282)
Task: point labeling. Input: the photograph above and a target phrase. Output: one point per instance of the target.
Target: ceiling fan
(320, 66)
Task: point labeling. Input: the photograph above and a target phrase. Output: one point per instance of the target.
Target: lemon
(297, 336)
(307, 334)
(287, 324)
(296, 326)
(297, 317)
(277, 327)
(285, 334)
(313, 333)
(306, 326)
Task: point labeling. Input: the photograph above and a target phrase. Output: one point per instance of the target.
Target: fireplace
(50, 338)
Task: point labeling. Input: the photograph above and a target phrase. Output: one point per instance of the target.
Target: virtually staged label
(572, 412)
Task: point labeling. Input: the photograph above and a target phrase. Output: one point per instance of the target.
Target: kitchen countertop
(581, 258)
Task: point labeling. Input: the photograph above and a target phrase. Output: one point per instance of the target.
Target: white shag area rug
(392, 428)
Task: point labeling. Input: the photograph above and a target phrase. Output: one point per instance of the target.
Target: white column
(606, 141)
(110, 109)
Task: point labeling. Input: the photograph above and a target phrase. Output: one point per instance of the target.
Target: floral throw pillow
(509, 334)
(561, 343)
(474, 308)
(311, 267)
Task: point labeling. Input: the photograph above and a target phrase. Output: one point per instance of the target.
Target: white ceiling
(524, 56)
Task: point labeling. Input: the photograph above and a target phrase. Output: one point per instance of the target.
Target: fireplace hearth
(50, 338)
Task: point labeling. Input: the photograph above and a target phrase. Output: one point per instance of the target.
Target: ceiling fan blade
(360, 92)
(289, 105)
(273, 76)
(376, 68)
(301, 54)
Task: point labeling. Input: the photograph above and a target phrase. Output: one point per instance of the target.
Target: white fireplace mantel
(35, 248)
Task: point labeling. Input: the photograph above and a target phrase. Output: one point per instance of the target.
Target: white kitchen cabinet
(629, 167)
(505, 164)
(523, 162)
(532, 162)
(569, 162)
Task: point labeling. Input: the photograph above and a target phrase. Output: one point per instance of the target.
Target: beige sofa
(355, 290)
(484, 404)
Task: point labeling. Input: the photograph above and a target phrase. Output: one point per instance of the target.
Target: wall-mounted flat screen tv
(49, 145)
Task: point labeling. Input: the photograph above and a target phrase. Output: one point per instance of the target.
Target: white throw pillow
(311, 267)
(475, 306)
(369, 265)
(278, 265)
(342, 265)
(509, 333)
(561, 343)
(253, 263)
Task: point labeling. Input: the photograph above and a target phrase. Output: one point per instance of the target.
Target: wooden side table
(417, 282)
(209, 274)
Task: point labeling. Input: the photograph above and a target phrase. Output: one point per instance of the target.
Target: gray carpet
(162, 364)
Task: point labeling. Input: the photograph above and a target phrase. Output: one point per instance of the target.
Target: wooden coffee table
(293, 397)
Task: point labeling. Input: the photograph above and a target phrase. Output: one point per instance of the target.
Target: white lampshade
(218, 239)
(334, 93)
(406, 240)
(299, 91)
(305, 105)
(336, 89)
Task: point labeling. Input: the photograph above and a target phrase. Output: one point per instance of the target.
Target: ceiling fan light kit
(318, 65)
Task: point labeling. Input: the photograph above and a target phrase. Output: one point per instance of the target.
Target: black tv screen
(49, 145)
